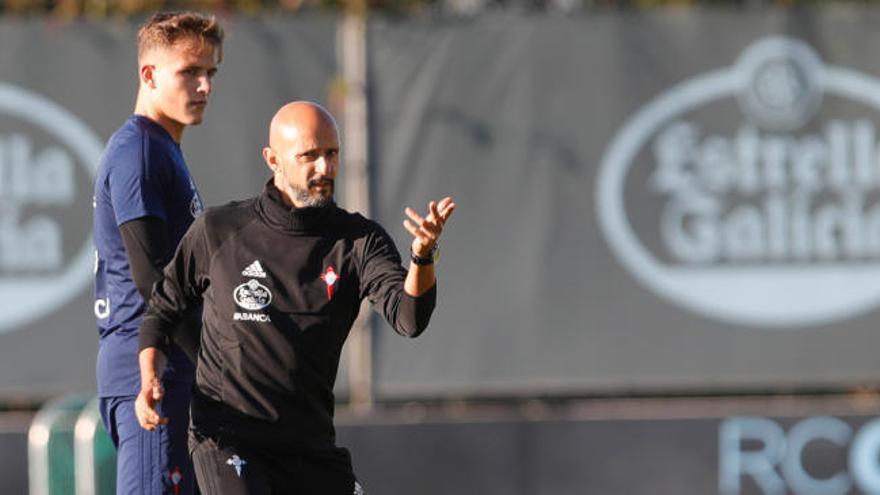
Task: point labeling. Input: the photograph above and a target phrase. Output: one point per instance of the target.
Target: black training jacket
(281, 288)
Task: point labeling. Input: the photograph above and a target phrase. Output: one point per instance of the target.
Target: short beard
(310, 200)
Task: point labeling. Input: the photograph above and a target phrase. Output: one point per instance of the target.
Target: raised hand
(426, 230)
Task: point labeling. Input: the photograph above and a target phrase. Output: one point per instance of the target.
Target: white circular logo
(252, 295)
(784, 82)
(761, 222)
(37, 274)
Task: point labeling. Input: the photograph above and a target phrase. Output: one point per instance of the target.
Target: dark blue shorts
(151, 462)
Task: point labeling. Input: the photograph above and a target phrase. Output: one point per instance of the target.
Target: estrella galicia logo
(252, 295)
(48, 159)
(758, 190)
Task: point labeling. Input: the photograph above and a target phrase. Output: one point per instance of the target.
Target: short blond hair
(164, 29)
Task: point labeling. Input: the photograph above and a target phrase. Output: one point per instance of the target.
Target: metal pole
(353, 54)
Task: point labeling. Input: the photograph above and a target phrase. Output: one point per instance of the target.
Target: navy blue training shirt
(142, 173)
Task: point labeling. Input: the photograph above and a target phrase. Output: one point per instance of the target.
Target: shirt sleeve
(146, 245)
(179, 293)
(382, 277)
(140, 174)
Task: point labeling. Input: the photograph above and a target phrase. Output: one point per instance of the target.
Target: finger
(145, 409)
(413, 215)
(153, 419)
(442, 206)
(145, 419)
(430, 229)
(427, 231)
(435, 212)
(158, 392)
(422, 222)
(446, 212)
(411, 228)
(422, 234)
(141, 417)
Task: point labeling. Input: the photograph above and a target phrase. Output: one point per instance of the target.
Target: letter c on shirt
(102, 308)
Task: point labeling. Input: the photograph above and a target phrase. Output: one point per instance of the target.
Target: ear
(147, 76)
(270, 158)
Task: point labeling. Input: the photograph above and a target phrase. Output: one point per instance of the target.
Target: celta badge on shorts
(176, 478)
(252, 295)
(330, 278)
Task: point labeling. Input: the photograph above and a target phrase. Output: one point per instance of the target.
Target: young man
(282, 276)
(144, 201)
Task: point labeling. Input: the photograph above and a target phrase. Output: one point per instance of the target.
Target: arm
(173, 296)
(406, 299)
(147, 247)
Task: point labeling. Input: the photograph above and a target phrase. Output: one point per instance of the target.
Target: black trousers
(224, 468)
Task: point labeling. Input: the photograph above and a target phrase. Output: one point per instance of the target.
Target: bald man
(282, 276)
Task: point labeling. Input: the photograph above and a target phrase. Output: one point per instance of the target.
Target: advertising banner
(679, 200)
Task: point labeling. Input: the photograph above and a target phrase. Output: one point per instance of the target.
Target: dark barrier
(728, 455)
(674, 200)
(820, 446)
(13, 452)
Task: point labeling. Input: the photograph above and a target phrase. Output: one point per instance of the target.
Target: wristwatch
(424, 260)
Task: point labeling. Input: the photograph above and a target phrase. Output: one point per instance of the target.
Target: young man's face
(182, 81)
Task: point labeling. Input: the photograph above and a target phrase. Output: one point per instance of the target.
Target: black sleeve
(146, 244)
(382, 278)
(178, 292)
(147, 248)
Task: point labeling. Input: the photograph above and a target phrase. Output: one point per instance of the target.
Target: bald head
(299, 119)
(303, 153)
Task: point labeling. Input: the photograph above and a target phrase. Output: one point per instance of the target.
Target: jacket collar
(271, 207)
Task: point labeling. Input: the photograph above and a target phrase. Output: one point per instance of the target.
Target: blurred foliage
(125, 8)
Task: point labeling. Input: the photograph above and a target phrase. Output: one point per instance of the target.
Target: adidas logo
(254, 270)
